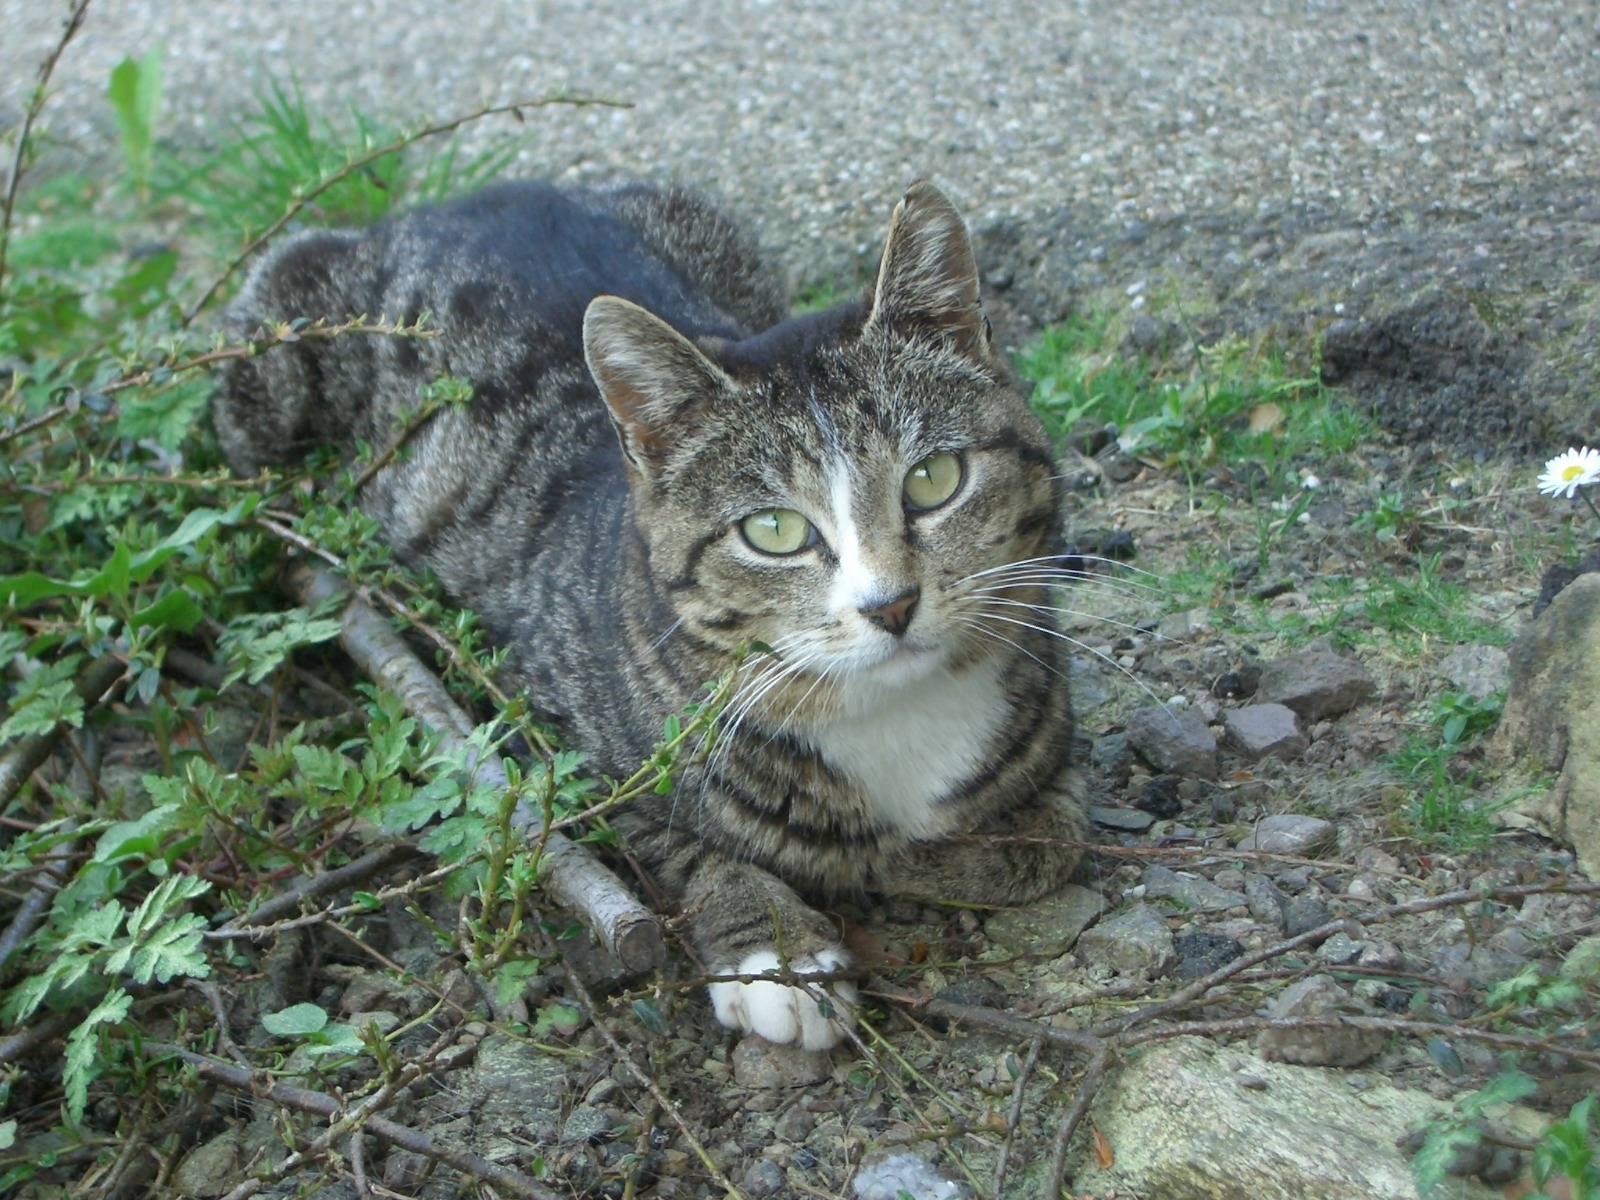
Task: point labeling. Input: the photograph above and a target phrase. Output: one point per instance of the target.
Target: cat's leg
(746, 921)
(1023, 855)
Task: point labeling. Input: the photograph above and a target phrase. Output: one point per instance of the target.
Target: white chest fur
(908, 747)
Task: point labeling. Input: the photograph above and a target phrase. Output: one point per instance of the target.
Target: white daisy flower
(1570, 470)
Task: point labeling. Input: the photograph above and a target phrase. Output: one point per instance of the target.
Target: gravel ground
(1099, 150)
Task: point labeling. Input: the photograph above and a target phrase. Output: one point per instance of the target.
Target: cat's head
(846, 487)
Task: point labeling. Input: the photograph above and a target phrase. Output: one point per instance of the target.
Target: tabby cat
(659, 466)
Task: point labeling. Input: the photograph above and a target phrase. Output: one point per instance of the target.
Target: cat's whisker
(1084, 646)
(980, 627)
(1066, 574)
(1056, 558)
(671, 629)
(1088, 616)
(1090, 587)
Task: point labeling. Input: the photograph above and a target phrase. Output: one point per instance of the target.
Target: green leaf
(298, 1020)
(135, 95)
(143, 837)
(511, 980)
(556, 1017)
(8, 1134)
(650, 1016)
(175, 610)
(82, 1058)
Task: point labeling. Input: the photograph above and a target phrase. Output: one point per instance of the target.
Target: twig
(31, 752)
(356, 871)
(360, 1117)
(1014, 1116)
(32, 909)
(1093, 1075)
(364, 160)
(25, 130)
(396, 444)
(262, 932)
(568, 871)
(25, 1041)
(649, 1084)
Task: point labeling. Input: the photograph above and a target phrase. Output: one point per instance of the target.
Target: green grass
(1191, 420)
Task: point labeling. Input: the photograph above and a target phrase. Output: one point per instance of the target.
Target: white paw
(781, 1013)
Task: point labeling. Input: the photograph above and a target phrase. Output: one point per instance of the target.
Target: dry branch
(355, 1118)
(568, 871)
(357, 870)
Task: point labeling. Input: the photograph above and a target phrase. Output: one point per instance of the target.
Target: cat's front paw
(784, 1014)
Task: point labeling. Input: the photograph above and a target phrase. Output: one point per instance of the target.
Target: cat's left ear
(928, 279)
(649, 375)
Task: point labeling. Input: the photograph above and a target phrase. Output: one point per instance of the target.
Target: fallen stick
(356, 1118)
(569, 872)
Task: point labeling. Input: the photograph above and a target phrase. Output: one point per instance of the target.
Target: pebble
(1316, 683)
(1161, 796)
(1129, 820)
(1479, 671)
(1135, 942)
(1264, 731)
(1200, 953)
(1301, 914)
(1194, 893)
(1320, 1047)
(1290, 833)
(764, 1178)
(1174, 743)
(757, 1063)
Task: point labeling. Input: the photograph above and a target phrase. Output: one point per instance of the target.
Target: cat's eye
(778, 531)
(933, 481)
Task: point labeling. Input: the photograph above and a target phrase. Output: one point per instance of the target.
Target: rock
(794, 1124)
(1479, 671)
(1194, 893)
(1290, 833)
(1315, 683)
(1129, 820)
(764, 1178)
(1091, 687)
(1110, 754)
(1200, 953)
(1582, 964)
(1321, 1047)
(1302, 914)
(757, 1063)
(211, 1168)
(1181, 626)
(1136, 942)
(587, 1124)
(1174, 743)
(1050, 926)
(1266, 901)
(901, 1175)
(1551, 722)
(977, 990)
(1190, 1120)
(1161, 797)
(1340, 949)
(512, 1086)
(1237, 685)
(1264, 731)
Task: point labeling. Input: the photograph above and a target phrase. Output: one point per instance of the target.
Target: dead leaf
(1105, 1158)
(1265, 418)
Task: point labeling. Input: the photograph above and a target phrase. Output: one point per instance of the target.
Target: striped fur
(636, 393)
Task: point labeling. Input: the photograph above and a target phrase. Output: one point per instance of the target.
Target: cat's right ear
(649, 375)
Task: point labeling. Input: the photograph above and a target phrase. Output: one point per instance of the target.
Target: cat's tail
(272, 407)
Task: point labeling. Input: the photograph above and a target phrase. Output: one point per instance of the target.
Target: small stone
(1090, 684)
(757, 1063)
(1264, 900)
(764, 1178)
(1323, 1046)
(1201, 953)
(1316, 683)
(1479, 671)
(1340, 949)
(1194, 893)
(794, 1124)
(979, 991)
(1236, 685)
(210, 1169)
(1290, 833)
(1110, 754)
(1302, 914)
(1181, 626)
(1050, 926)
(1582, 963)
(1129, 820)
(587, 1125)
(1175, 743)
(1264, 731)
(1135, 942)
(1161, 797)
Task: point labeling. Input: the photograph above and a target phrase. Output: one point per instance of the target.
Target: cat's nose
(894, 616)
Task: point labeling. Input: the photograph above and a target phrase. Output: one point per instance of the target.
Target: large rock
(1316, 683)
(1178, 743)
(1050, 926)
(1551, 724)
(1290, 833)
(1336, 1047)
(1189, 1120)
